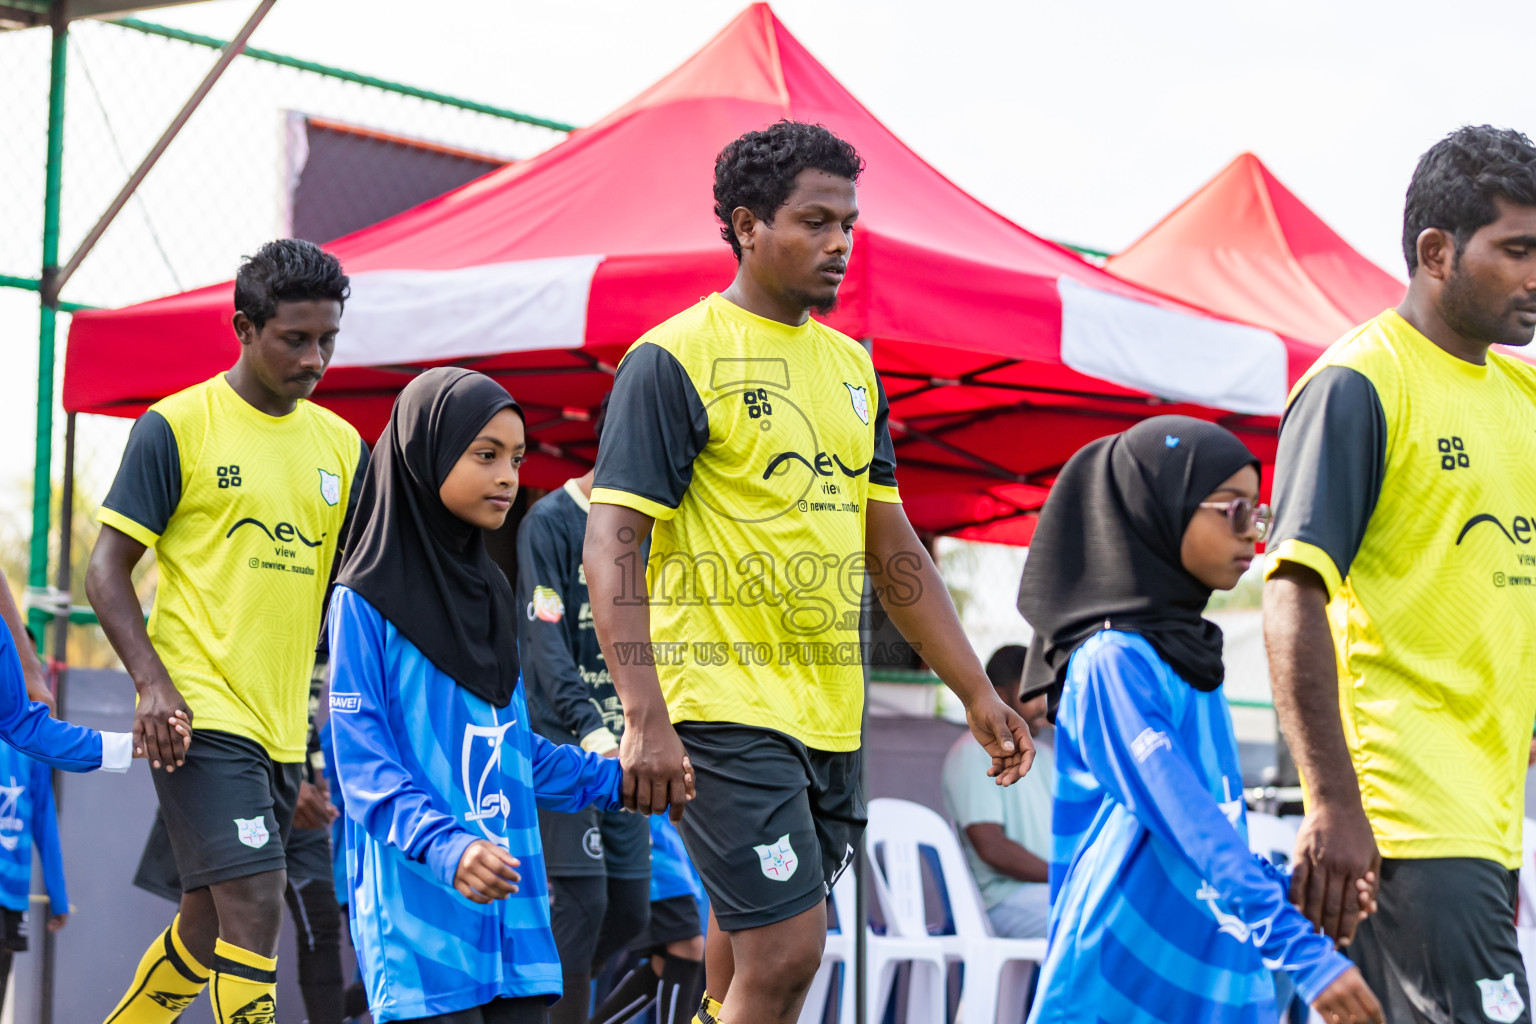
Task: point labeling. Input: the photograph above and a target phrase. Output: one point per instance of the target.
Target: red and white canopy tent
(1002, 353)
(1244, 246)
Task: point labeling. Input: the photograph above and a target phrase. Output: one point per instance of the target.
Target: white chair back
(902, 828)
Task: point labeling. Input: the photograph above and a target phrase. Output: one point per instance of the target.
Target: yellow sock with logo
(709, 1011)
(167, 981)
(244, 986)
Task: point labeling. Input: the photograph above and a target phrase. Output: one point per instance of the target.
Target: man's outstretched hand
(1004, 734)
(657, 772)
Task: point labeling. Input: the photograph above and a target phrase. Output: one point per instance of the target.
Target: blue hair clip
(1170, 441)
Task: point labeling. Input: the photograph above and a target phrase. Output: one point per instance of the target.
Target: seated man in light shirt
(1006, 833)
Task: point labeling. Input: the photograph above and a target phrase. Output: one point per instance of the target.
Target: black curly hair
(1006, 666)
(1457, 180)
(287, 270)
(758, 170)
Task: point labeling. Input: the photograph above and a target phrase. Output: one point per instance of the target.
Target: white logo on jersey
(860, 399)
(330, 487)
(1231, 924)
(1148, 742)
(485, 803)
(1501, 999)
(1233, 809)
(253, 831)
(11, 825)
(778, 859)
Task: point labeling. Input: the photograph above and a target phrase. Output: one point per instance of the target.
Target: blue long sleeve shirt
(426, 768)
(27, 726)
(1160, 914)
(28, 821)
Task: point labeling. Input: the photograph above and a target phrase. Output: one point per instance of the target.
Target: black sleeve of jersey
(1329, 469)
(547, 557)
(147, 488)
(656, 426)
(352, 494)
(882, 470)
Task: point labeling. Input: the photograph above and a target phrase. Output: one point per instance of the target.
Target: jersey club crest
(860, 399)
(1501, 1000)
(253, 831)
(480, 765)
(330, 487)
(778, 859)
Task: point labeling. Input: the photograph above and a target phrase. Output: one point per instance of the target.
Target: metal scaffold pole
(48, 311)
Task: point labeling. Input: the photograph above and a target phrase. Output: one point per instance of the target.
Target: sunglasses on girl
(1243, 514)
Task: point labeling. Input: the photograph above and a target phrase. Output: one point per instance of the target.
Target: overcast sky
(1084, 122)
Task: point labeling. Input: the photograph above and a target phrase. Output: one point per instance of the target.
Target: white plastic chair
(997, 970)
(883, 954)
(838, 952)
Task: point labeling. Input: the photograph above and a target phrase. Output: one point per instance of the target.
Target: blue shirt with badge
(426, 768)
(1160, 914)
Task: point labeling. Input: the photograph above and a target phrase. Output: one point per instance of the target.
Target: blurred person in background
(1007, 832)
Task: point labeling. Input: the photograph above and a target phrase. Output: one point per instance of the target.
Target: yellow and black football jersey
(244, 511)
(756, 447)
(1406, 478)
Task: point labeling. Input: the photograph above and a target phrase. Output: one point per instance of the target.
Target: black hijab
(423, 568)
(1106, 552)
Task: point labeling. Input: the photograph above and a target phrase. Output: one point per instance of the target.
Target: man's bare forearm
(1005, 856)
(1304, 677)
(621, 610)
(109, 587)
(917, 601)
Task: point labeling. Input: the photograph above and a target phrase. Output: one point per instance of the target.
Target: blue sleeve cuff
(443, 856)
(613, 793)
(1314, 981)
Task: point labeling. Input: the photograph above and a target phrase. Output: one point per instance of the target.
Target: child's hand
(486, 873)
(57, 921)
(1349, 1001)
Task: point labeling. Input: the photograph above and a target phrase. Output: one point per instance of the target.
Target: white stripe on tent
(1170, 354)
(414, 316)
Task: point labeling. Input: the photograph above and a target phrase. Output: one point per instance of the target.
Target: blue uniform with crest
(426, 768)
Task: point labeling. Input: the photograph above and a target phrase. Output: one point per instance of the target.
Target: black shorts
(228, 810)
(1442, 947)
(612, 844)
(14, 939)
(772, 824)
(672, 920)
(308, 851)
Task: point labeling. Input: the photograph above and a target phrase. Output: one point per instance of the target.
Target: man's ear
(244, 329)
(744, 223)
(1437, 252)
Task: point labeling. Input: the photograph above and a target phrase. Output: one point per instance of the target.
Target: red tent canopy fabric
(1245, 247)
(1001, 353)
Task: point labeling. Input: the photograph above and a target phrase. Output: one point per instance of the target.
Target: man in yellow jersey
(755, 440)
(242, 488)
(1400, 609)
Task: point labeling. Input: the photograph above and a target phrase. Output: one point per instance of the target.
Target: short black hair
(758, 170)
(1457, 180)
(287, 270)
(1006, 666)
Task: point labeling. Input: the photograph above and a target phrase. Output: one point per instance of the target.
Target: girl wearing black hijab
(1160, 914)
(439, 769)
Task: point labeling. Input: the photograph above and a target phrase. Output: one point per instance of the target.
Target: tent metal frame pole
(48, 311)
(52, 286)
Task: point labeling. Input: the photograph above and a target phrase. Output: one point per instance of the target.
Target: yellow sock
(244, 986)
(167, 981)
(709, 1011)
